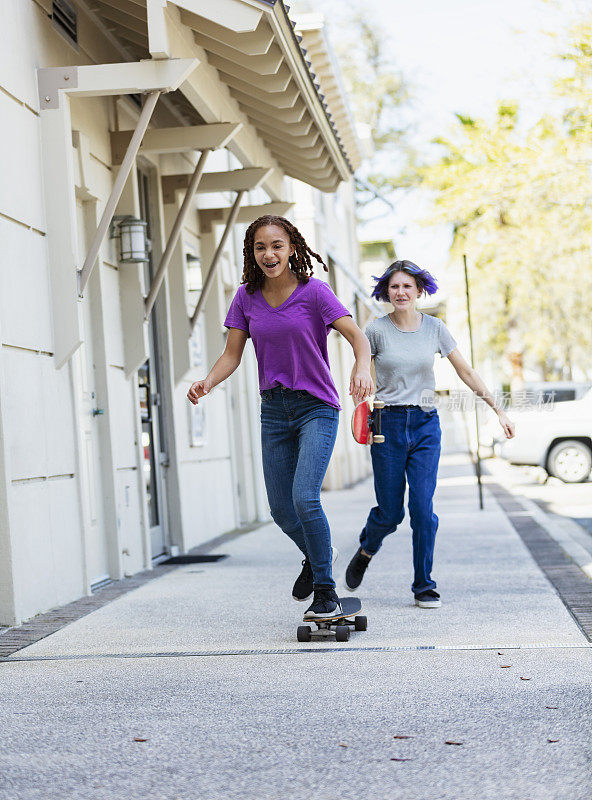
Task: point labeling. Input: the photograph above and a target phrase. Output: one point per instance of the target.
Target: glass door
(154, 448)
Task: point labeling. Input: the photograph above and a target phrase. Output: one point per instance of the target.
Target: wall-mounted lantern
(134, 245)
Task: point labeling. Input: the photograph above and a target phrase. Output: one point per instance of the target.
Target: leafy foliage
(380, 98)
(520, 202)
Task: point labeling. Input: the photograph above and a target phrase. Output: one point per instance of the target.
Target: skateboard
(366, 430)
(338, 625)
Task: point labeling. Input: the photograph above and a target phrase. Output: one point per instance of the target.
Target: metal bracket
(116, 190)
(247, 178)
(175, 233)
(50, 80)
(101, 80)
(219, 250)
(176, 140)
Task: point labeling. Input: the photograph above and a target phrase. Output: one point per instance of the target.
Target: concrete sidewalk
(204, 664)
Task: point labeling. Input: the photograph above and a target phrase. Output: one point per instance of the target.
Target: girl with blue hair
(403, 344)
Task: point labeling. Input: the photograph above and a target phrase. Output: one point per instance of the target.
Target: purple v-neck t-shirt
(291, 340)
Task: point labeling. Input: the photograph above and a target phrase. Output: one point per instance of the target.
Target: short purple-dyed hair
(425, 282)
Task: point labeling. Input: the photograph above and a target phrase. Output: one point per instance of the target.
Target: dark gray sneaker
(428, 599)
(325, 604)
(356, 569)
(303, 587)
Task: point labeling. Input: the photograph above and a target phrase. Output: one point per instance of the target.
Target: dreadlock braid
(300, 262)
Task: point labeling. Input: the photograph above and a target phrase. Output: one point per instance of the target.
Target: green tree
(379, 96)
(378, 92)
(520, 203)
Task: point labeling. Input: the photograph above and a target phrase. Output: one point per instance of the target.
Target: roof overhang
(311, 27)
(252, 71)
(251, 48)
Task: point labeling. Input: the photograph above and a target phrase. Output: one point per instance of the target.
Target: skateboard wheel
(361, 623)
(342, 633)
(378, 404)
(378, 439)
(303, 633)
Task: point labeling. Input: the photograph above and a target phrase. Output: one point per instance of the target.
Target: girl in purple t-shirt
(288, 314)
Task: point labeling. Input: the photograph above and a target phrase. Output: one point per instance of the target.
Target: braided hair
(300, 262)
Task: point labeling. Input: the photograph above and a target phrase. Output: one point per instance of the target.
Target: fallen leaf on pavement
(137, 739)
(449, 741)
(402, 736)
(552, 740)
(401, 759)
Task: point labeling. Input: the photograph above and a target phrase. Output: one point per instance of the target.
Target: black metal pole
(478, 459)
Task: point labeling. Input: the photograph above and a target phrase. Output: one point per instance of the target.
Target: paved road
(204, 665)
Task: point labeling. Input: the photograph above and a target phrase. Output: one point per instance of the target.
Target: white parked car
(556, 437)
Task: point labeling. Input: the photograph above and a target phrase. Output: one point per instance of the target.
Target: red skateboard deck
(365, 430)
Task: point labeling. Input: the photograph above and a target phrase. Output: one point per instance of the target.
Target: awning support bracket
(175, 233)
(219, 250)
(118, 186)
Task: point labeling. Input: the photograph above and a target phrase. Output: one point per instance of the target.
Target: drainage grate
(189, 559)
(298, 651)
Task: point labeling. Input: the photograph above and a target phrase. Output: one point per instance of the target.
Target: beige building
(140, 137)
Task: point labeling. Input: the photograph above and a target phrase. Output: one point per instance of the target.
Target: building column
(8, 610)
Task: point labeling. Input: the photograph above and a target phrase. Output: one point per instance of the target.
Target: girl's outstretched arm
(224, 366)
(472, 379)
(360, 385)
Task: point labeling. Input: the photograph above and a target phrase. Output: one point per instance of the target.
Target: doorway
(151, 412)
(90, 413)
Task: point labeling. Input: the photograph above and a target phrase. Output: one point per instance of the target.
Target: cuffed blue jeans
(410, 453)
(298, 434)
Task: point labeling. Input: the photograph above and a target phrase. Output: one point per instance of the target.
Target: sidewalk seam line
(298, 651)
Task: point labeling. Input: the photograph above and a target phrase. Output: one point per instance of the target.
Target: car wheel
(570, 461)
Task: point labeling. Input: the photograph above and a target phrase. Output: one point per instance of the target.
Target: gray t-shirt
(404, 360)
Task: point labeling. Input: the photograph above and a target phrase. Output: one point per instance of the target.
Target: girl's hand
(507, 424)
(198, 390)
(361, 386)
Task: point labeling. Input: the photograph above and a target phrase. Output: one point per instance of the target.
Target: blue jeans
(298, 434)
(411, 449)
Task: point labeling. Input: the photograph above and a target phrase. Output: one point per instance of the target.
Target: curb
(568, 535)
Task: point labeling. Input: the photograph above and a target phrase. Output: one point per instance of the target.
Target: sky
(460, 56)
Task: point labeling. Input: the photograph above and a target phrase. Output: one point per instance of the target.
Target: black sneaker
(356, 569)
(325, 604)
(303, 588)
(428, 599)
